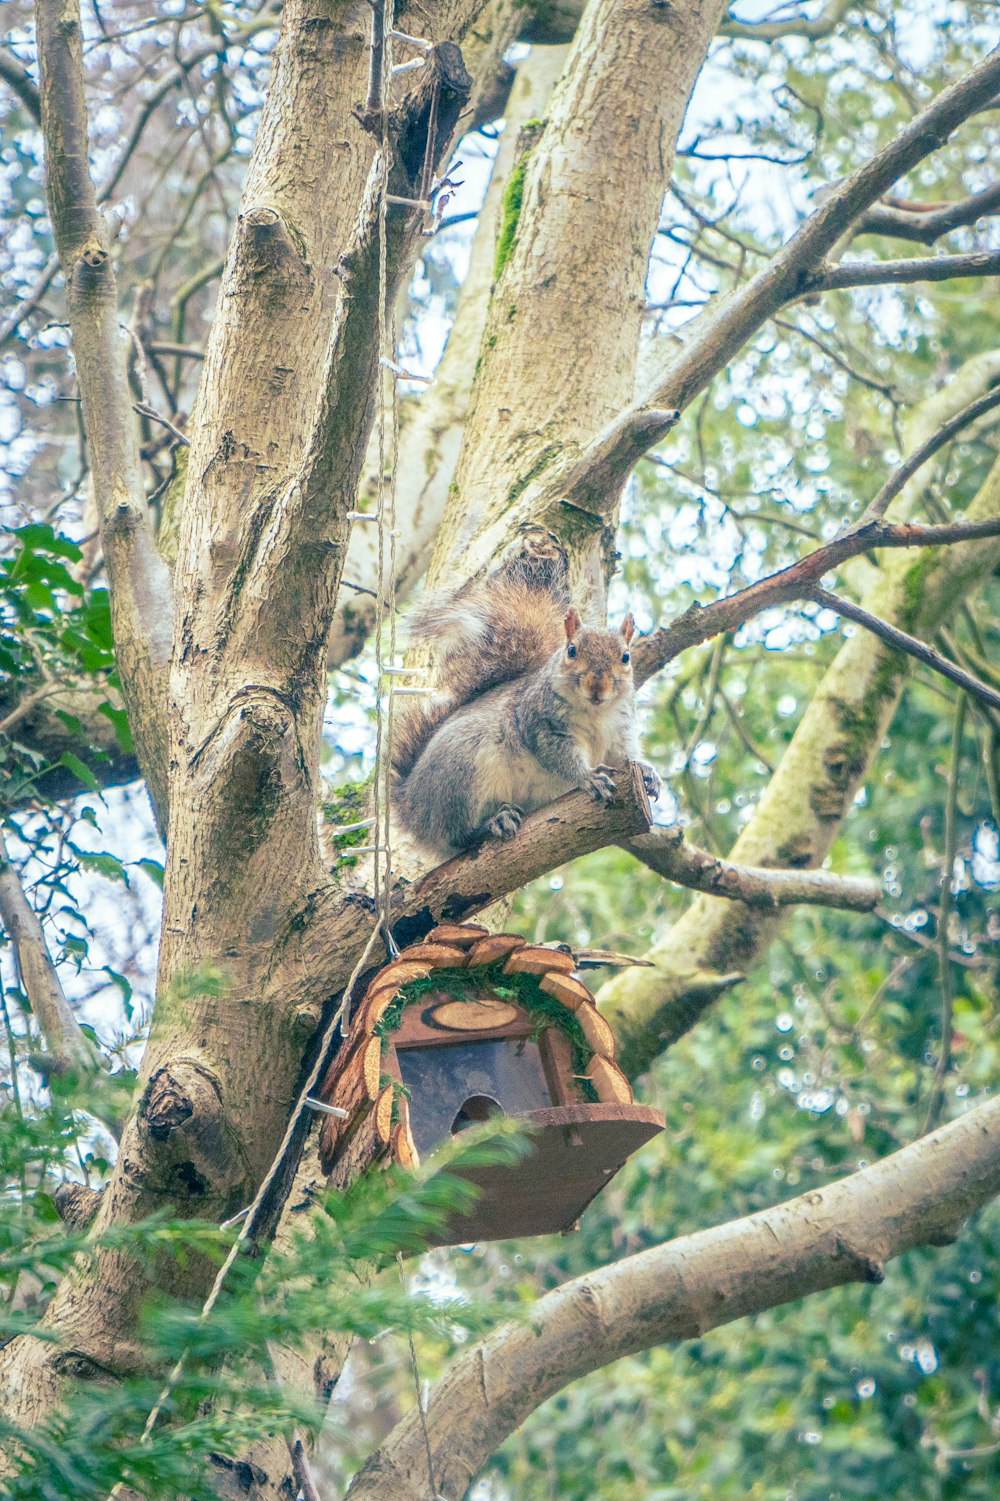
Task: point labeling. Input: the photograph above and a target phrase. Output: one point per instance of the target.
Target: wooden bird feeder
(473, 1024)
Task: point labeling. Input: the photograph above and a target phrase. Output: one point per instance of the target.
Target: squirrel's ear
(572, 623)
(627, 627)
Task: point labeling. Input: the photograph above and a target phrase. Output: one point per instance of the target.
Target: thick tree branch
(843, 1233)
(330, 941)
(925, 223)
(67, 1046)
(17, 78)
(667, 852)
(138, 581)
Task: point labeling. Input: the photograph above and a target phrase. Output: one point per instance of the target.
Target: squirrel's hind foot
(505, 822)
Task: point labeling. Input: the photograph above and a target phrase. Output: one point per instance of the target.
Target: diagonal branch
(138, 582)
(666, 851)
(17, 78)
(713, 338)
(67, 1046)
(798, 581)
(843, 1233)
(331, 940)
(901, 641)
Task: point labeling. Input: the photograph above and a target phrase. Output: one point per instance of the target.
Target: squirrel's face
(596, 666)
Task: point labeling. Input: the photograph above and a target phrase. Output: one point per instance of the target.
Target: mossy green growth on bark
(510, 213)
(522, 990)
(349, 803)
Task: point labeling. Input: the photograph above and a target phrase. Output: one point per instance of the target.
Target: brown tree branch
(666, 851)
(798, 581)
(17, 78)
(67, 1046)
(902, 641)
(139, 584)
(920, 268)
(926, 223)
(822, 25)
(948, 430)
(328, 944)
(843, 1233)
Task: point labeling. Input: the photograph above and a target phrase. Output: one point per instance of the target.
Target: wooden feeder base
(575, 1152)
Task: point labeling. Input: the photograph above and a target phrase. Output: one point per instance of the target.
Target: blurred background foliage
(824, 1058)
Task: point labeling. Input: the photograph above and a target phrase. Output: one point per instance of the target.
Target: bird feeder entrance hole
(466, 1025)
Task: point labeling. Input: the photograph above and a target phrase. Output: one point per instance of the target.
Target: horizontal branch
(920, 268)
(843, 1233)
(893, 636)
(667, 852)
(332, 940)
(926, 223)
(772, 31)
(798, 581)
(67, 1046)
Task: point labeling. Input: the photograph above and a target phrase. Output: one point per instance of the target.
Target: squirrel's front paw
(650, 780)
(601, 785)
(505, 822)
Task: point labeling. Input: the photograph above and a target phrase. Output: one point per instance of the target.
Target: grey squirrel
(534, 704)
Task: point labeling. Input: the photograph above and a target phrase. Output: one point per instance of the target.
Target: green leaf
(153, 869)
(80, 770)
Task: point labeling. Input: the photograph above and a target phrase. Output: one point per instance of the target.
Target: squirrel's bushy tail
(486, 633)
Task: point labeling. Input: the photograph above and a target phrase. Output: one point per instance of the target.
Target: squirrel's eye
(571, 650)
(626, 656)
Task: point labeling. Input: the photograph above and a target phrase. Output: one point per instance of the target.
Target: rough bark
(843, 1233)
(559, 350)
(431, 432)
(809, 795)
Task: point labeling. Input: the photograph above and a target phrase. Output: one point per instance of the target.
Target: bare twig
(798, 581)
(944, 912)
(919, 456)
(666, 851)
(920, 268)
(893, 636)
(925, 223)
